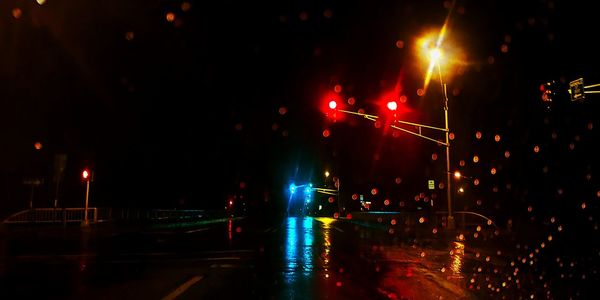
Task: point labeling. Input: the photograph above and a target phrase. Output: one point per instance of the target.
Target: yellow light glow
(430, 47)
(326, 173)
(457, 175)
(435, 54)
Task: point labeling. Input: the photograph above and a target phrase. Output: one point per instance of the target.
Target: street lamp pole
(86, 222)
(451, 223)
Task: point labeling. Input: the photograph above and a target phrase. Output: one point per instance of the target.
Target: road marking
(223, 266)
(337, 229)
(196, 230)
(221, 258)
(182, 288)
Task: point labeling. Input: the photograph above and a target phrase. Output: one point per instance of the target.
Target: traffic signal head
(548, 90)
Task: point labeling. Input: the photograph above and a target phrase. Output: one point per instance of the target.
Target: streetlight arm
(327, 193)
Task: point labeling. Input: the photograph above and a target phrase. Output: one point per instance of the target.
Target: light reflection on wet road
(313, 262)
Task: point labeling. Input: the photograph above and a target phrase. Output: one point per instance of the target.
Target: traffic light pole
(86, 222)
(450, 219)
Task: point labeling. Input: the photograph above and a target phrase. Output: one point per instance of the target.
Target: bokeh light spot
(399, 44)
(17, 12)
(186, 6)
(170, 17)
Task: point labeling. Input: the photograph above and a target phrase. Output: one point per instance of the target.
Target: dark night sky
(188, 109)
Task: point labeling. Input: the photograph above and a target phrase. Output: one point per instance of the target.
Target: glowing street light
(434, 55)
(326, 173)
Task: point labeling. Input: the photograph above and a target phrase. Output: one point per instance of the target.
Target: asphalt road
(242, 258)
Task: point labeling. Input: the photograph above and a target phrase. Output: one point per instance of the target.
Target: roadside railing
(98, 215)
(53, 215)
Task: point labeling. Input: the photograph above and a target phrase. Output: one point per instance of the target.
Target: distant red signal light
(85, 175)
(332, 104)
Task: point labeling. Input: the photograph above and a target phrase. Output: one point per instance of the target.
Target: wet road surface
(294, 258)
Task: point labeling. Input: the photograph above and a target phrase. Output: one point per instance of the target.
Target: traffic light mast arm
(591, 86)
(419, 134)
(324, 190)
(328, 193)
(421, 125)
(366, 116)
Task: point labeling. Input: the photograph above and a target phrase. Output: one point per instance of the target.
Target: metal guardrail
(96, 215)
(52, 215)
(153, 215)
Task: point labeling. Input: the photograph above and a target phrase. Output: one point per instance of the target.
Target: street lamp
(435, 54)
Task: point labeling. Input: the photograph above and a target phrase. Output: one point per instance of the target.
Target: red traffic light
(85, 174)
(332, 104)
(392, 105)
